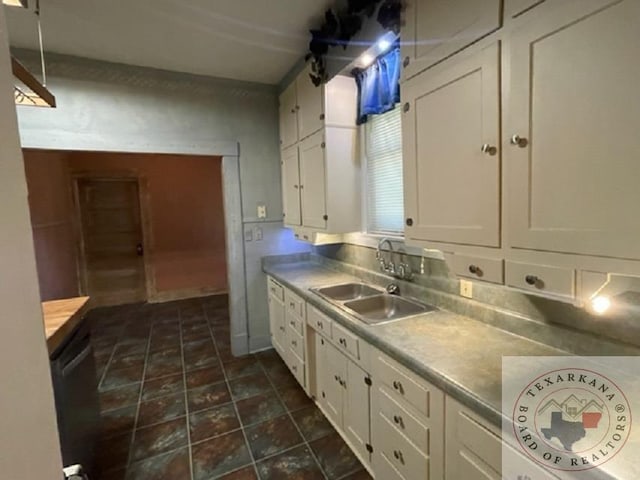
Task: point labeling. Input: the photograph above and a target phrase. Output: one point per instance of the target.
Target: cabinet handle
(398, 455)
(409, 222)
(531, 279)
(320, 325)
(337, 378)
(489, 149)
(296, 187)
(297, 107)
(294, 343)
(323, 145)
(397, 386)
(398, 420)
(406, 62)
(301, 187)
(322, 116)
(519, 141)
(292, 323)
(321, 341)
(293, 110)
(406, 107)
(292, 304)
(294, 368)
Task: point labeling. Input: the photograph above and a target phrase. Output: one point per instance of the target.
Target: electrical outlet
(258, 234)
(262, 211)
(466, 288)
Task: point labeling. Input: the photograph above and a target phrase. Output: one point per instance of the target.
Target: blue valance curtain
(379, 85)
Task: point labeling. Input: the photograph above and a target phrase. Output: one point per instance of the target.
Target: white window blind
(383, 151)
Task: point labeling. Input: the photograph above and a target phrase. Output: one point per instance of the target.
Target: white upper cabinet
(451, 151)
(291, 187)
(313, 182)
(513, 8)
(436, 29)
(288, 117)
(310, 105)
(571, 141)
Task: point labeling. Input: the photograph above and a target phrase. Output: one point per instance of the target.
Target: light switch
(258, 234)
(262, 211)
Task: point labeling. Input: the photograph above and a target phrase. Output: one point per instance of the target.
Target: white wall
(29, 446)
(103, 106)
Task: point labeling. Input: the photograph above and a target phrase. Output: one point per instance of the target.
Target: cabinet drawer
(405, 422)
(295, 324)
(276, 289)
(487, 269)
(411, 463)
(296, 343)
(296, 365)
(294, 304)
(346, 340)
(402, 385)
(541, 278)
(478, 439)
(319, 321)
(386, 471)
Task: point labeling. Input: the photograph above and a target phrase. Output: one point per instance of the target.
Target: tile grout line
(135, 421)
(233, 401)
(288, 410)
(186, 397)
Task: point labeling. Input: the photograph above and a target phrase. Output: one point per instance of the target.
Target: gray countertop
(457, 354)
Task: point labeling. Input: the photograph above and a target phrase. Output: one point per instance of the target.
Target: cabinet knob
(296, 187)
(398, 456)
(519, 141)
(406, 62)
(323, 145)
(397, 386)
(406, 107)
(489, 149)
(293, 110)
(325, 217)
(322, 116)
(531, 279)
(397, 420)
(409, 222)
(475, 269)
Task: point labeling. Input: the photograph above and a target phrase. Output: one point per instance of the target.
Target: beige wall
(29, 447)
(50, 204)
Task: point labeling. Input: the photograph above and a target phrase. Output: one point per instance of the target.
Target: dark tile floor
(176, 404)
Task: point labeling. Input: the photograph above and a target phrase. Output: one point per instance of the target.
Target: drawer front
(276, 289)
(386, 471)
(403, 421)
(296, 343)
(479, 440)
(541, 278)
(478, 268)
(411, 463)
(402, 384)
(471, 467)
(294, 323)
(346, 340)
(296, 365)
(294, 304)
(319, 321)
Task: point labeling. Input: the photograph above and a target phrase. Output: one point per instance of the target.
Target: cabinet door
(573, 176)
(291, 187)
(313, 182)
(335, 372)
(277, 325)
(513, 8)
(357, 420)
(435, 29)
(452, 187)
(311, 103)
(288, 117)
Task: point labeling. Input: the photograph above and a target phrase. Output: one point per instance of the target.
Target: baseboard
(259, 343)
(171, 295)
(239, 344)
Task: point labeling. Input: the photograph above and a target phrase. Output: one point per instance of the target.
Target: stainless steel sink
(384, 308)
(347, 291)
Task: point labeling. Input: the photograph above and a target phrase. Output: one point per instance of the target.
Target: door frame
(145, 223)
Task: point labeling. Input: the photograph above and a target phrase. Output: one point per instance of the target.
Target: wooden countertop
(61, 317)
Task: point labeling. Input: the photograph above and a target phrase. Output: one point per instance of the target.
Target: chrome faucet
(401, 270)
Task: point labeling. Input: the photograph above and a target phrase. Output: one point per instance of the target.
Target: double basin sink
(371, 304)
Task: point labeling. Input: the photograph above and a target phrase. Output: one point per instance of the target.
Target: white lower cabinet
(277, 317)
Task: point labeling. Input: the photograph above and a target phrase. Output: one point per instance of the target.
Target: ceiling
(258, 41)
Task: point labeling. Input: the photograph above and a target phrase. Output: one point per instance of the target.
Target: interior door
(573, 175)
(451, 154)
(291, 187)
(112, 242)
(436, 29)
(313, 182)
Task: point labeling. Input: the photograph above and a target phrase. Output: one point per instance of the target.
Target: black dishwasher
(76, 394)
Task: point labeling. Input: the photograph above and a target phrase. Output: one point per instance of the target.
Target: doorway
(112, 268)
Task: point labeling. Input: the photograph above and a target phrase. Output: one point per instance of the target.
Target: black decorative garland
(338, 30)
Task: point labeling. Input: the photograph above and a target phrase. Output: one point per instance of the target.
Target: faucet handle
(393, 289)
